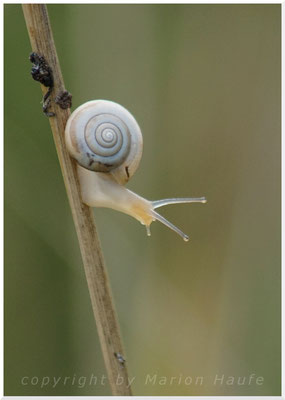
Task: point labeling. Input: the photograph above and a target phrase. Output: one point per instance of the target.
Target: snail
(106, 141)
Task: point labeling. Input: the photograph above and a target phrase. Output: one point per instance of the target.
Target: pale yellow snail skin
(109, 130)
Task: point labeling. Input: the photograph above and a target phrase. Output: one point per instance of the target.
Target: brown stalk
(42, 43)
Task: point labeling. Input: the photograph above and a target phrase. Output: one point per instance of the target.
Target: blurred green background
(203, 82)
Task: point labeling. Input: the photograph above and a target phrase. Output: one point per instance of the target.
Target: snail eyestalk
(165, 222)
(164, 202)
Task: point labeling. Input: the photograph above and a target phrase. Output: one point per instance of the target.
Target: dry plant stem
(42, 42)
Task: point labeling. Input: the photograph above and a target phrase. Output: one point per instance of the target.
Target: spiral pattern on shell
(107, 140)
(103, 136)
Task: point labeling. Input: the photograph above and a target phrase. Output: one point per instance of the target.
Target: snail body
(106, 141)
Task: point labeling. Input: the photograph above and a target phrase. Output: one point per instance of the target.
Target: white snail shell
(106, 141)
(104, 137)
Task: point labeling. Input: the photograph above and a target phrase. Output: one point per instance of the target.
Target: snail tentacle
(178, 200)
